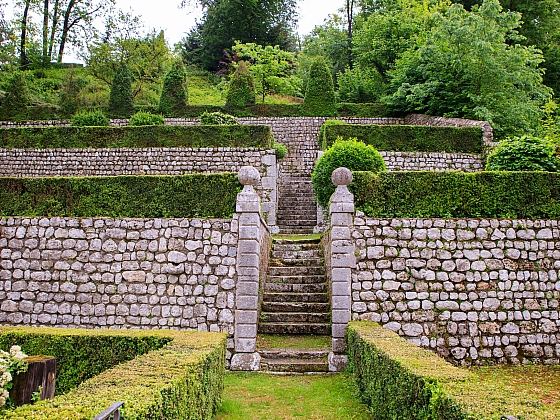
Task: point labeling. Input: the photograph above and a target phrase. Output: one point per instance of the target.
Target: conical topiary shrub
(174, 95)
(121, 100)
(241, 88)
(319, 98)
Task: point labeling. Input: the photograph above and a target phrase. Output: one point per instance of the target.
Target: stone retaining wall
(417, 161)
(128, 273)
(477, 291)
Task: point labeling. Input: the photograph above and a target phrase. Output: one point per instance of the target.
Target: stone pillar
(248, 262)
(342, 261)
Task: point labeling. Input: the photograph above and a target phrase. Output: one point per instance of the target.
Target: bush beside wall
(409, 138)
(195, 195)
(399, 380)
(182, 380)
(136, 137)
(517, 195)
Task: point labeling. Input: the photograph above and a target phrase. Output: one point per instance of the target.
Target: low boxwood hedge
(520, 195)
(182, 196)
(408, 138)
(136, 137)
(399, 380)
(181, 379)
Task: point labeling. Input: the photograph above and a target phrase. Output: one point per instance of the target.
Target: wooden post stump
(41, 372)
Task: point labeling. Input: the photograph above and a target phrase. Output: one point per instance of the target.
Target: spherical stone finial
(248, 176)
(341, 176)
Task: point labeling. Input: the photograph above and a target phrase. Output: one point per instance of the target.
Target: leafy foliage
(518, 195)
(281, 150)
(185, 376)
(174, 96)
(408, 138)
(87, 119)
(357, 85)
(17, 97)
(137, 137)
(121, 100)
(197, 195)
(319, 95)
(145, 118)
(217, 118)
(524, 153)
(70, 101)
(241, 88)
(351, 154)
(322, 131)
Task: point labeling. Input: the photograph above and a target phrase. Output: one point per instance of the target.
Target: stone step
(291, 254)
(294, 365)
(292, 280)
(299, 317)
(296, 288)
(281, 245)
(298, 217)
(294, 353)
(301, 230)
(311, 307)
(295, 262)
(295, 271)
(294, 328)
(296, 297)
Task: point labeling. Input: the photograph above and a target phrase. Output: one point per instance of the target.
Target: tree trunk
(65, 29)
(23, 60)
(41, 373)
(53, 29)
(46, 60)
(350, 18)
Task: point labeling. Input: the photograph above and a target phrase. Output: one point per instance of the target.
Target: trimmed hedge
(365, 110)
(181, 380)
(399, 380)
(519, 195)
(408, 138)
(142, 136)
(186, 196)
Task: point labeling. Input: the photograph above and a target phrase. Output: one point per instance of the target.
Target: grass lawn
(259, 396)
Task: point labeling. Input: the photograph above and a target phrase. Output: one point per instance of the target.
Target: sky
(164, 14)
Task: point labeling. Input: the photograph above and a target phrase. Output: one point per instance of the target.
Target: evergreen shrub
(180, 196)
(146, 118)
(16, 99)
(350, 154)
(121, 100)
(408, 138)
(428, 194)
(319, 98)
(524, 153)
(90, 119)
(281, 150)
(217, 118)
(241, 91)
(174, 95)
(144, 136)
(327, 123)
(69, 99)
(157, 374)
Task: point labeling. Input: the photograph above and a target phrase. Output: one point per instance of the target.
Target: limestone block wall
(127, 273)
(416, 161)
(477, 291)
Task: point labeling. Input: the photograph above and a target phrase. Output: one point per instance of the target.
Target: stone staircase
(297, 210)
(294, 360)
(296, 298)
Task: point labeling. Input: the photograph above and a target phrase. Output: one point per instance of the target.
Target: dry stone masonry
(477, 291)
(416, 161)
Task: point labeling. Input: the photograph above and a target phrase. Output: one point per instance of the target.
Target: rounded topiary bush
(145, 118)
(217, 118)
(524, 153)
(90, 119)
(241, 91)
(319, 98)
(174, 95)
(121, 100)
(351, 154)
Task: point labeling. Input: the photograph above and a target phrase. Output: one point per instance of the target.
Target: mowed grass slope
(252, 396)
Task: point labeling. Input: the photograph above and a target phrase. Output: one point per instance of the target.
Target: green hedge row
(183, 379)
(193, 111)
(186, 196)
(143, 136)
(408, 138)
(399, 380)
(517, 195)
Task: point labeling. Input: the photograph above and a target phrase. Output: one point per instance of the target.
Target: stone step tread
(296, 288)
(311, 307)
(300, 317)
(294, 328)
(294, 246)
(294, 254)
(295, 271)
(291, 231)
(291, 218)
(296, 297)
(294, 353)
(296, 262)
(302, 279)
(293, 366)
